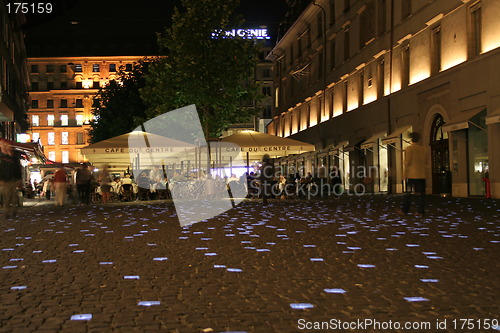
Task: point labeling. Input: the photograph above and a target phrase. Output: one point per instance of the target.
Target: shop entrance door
(440, 154)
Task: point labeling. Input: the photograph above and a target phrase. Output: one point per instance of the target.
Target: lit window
(35, 121)
(78, 68)
(95, 68)
(35, 136)
(64, 120)
(51, 138)
(52, 155)
(80, 138)
(65, 138)
(50, 120)
(79, 119)
(65, 156)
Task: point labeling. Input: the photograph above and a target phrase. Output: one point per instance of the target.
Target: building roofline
(92, 58)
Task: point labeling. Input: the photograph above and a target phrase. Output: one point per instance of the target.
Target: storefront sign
(246, 33)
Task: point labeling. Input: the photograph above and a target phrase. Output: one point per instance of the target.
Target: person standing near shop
(60, 186)
(415, 171)
(10, 178)
(83, 179)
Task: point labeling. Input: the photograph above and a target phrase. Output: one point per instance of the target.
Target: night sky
(113, 27)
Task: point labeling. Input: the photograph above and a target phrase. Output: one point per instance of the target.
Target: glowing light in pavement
(85, 316)
(301, 306)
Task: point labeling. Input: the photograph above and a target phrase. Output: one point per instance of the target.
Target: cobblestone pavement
(286, 268)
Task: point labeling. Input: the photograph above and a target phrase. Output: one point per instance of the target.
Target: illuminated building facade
(356, 77)
(62, 91)
(14, 79)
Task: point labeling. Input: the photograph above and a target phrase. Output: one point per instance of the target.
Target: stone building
(62, 91)
(14, 80)
(356, 77)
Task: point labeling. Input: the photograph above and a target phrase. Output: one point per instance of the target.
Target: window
(380, 79)
(361, 91)
(95, 85)
(266, 91)
(50, 68)
(50, 104)
(347, 43)
(347, 5)
(64, 120)
(319, 23)
(78, 85)
(332, 54)
(95, 68)
(78, 68)
(35, 120)
(332, 12)
(34, 103)
(62, 69)
(112, 67)
(65, 156)
(63, 85)
(64, 138)
(344, 101)
(382, 16)
(50, 120)
(267, 112)
(35, 136)
(320, 64)
(80, 138)
(367, 28)
(475, 33)
(128, 67)
(51, 138)
(34, 68)
(50, 85)
(405, 8)
(79, 119)
(79, 103)
(64, 103)
(436, 50)
(405, 66)
(266, 73)
(52, 155)
(34, 86)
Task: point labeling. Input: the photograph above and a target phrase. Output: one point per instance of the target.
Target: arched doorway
(440, 155)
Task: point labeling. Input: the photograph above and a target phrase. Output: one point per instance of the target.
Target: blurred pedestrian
(105, 184)
(83, 179)
(10, 178)
(60, 186)
(415, 171)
